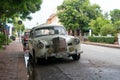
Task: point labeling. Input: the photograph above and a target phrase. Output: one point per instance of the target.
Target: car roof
(41, 26)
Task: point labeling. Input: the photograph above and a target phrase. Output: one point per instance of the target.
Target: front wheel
(76, 57)
(33, 59)
(29, 69)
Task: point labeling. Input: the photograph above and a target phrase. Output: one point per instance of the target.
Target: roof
(41, 26)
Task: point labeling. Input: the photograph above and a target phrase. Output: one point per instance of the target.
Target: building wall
(53, 19)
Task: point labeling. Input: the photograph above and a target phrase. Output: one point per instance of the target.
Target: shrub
(109, 40)
(102, 39)
(92, 39)
(2, 39)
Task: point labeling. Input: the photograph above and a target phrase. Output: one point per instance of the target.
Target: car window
(44, 31)
(31, 34)
(60, 30)
(50, 31)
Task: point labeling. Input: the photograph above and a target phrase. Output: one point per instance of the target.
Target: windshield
(49, 31)
(60, 30)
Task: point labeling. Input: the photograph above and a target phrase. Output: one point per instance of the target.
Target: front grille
(69, 44)
(59, 44)
(47, 46)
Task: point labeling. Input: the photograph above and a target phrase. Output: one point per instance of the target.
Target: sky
(107, 5)
(48, 7)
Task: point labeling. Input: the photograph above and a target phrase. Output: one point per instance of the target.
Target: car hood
(49, 38)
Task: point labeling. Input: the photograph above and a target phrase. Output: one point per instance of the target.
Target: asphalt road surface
(96, 63)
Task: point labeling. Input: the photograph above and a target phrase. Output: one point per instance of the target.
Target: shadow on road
(52, 61)
(32, 69)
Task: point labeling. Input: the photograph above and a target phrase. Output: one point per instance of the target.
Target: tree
(115, 15)
(10, 9)
(18, 27)
(76, 14)
(97, 24)
(106, 16)
(107, 29)
(20, 7)
(17, 8)
(117, 26)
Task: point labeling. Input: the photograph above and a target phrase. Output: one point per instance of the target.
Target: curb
(102, 44)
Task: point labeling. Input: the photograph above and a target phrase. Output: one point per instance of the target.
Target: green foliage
(2, 39)
(106, 16)
(117, 26)
(115, 15)
(76, 14)
(17, 8)
(97, 24)
(109, 40)
(92, 39)
(107, 29)
(20, 7)
(18, 27)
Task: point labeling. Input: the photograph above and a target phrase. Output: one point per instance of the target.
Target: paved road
(96, 63)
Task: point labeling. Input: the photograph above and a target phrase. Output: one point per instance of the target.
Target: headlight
(40, 45)
(76, 41)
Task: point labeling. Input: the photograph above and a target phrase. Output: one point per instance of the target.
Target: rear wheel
(76, 57)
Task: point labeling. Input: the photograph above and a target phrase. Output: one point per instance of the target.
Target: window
(60, 30)
(31, 34)
(44, 31)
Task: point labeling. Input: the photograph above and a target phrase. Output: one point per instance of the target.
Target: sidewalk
(103, 44)
(12, 65)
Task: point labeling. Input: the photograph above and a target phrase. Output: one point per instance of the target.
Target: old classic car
(53, 41)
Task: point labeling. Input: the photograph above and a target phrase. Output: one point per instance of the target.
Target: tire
(29, 69)
(30, 57)
(76, 57)
(33, 58)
